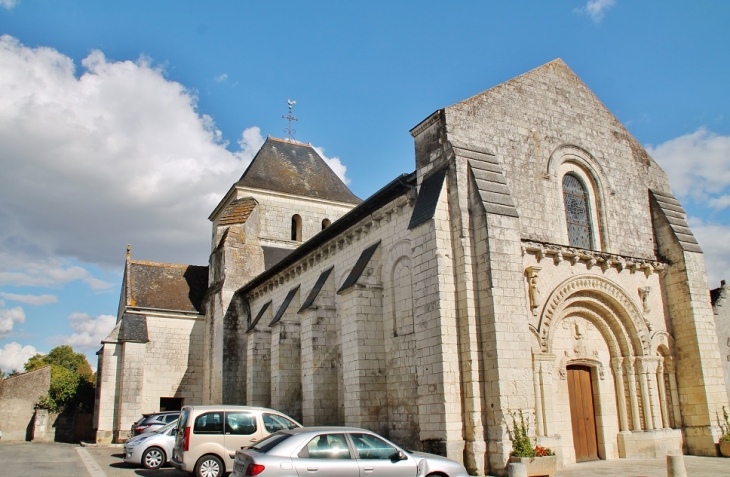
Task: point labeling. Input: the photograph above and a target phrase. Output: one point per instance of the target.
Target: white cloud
(8, 3)
(335, 164)
(14, 355)
(714, 240)
(698, 166)
(220, 78)
(21, 268)
(596, 9)
(8, 318)
(30, 299)
(116, 155)
(88, 331)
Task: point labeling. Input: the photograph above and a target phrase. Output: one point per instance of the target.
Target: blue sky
(126, 122)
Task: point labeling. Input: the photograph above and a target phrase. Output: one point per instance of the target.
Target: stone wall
(18, 395)
(721, 307)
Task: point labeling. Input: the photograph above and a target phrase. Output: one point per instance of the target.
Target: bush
(521, 441)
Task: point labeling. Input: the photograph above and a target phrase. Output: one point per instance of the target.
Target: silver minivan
(208, 436)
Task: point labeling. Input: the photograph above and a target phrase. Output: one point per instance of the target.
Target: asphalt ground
(35, 459)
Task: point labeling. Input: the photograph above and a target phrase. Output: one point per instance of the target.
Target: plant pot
(538, 466)
(725, 448)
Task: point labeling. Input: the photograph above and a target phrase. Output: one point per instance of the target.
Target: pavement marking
(92, 467)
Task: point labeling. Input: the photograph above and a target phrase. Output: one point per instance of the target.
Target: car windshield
(166, 427)
(265, 445)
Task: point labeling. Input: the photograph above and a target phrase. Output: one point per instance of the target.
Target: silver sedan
(337, 452)
(151, 449)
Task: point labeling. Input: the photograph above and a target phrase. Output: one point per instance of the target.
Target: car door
(242, 430)
(378, 458)
(327, 455)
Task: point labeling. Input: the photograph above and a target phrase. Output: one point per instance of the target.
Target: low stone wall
(52, 427)
(18, 395)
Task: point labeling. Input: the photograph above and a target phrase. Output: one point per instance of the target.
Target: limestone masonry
(536, 260)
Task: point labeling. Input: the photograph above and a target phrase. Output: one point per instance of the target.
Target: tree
(72, 380)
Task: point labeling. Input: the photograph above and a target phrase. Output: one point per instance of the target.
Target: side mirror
(173, 432)
(400, 455)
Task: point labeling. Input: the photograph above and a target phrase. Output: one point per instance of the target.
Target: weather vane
(291, 132)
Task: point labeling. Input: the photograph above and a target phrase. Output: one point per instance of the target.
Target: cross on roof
(291, 132)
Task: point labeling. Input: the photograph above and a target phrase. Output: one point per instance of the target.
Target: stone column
(674, 393)
(642, 366)
(547, 366)
(663, 395)
(618, 374)
(539, 423)
(542, 381)
(633, 396)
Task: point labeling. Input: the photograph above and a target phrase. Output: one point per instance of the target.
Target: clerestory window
(296, 228)
(577, 213)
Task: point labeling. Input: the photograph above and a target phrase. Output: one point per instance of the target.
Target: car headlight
(136, 442)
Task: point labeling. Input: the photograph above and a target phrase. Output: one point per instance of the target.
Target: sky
(126, 122)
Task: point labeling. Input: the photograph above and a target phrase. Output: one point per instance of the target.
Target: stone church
(535, 260)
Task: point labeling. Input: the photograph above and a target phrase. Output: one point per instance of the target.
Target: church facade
(536, 261)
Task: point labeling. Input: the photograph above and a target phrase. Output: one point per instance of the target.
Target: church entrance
(582, 414)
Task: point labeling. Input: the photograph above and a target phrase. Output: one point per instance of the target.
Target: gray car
(337, 452)
(151, 449)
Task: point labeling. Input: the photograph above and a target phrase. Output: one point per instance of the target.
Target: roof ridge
(162, 264)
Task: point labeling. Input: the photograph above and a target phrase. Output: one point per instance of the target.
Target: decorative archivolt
(577, 155)
(615, 307)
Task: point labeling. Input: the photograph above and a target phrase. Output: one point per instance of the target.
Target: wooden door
(582, 414)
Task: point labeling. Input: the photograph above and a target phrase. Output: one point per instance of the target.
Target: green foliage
(724, 426)
(521, 442)
(72, 380)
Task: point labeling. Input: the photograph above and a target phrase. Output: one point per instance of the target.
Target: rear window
(265, 445)
(184, 414)
(276, 422)
(209, 423)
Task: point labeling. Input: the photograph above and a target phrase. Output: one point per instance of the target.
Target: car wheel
(153, 458)
(209, 466)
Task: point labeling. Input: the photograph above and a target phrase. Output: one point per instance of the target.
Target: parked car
(151, 449)
(337, 452)
(152, 421)
(208, 436)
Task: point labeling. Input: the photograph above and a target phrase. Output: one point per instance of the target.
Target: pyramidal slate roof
(295, 168)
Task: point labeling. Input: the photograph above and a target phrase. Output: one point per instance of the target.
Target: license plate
(239, 468)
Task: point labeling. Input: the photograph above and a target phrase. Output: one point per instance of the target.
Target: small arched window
(296, 228)
(325, 223)
(577, 213)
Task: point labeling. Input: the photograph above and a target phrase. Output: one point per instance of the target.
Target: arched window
(296, 228)
(325, 223)
(577, 213)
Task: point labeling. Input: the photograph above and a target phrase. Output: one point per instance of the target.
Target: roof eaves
(395, 188)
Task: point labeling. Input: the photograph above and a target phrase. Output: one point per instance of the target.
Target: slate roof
(295, 168)
(166, 286)
(395, 188)
(238, 211)
(677, 218)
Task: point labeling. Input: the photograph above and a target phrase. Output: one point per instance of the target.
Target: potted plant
(539, 460)
(725, 438)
